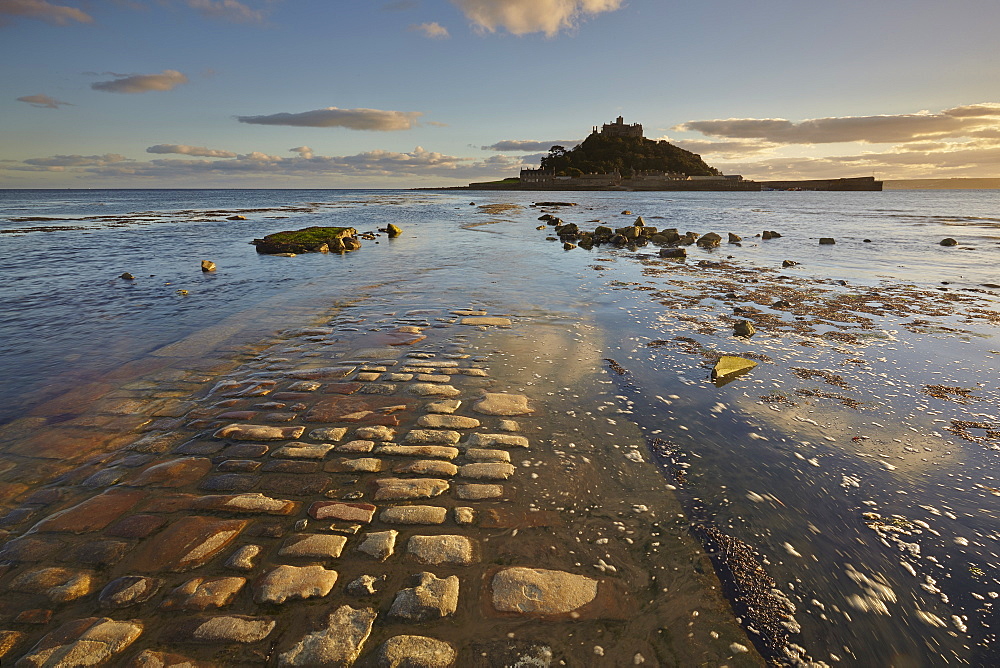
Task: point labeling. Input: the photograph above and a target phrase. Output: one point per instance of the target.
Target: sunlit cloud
(303, 151)
(530, 145)
(723, 149)
(43, 11)
(62, 162)
(332, 117)
(431, 30)
(141, 83)
(43, 101)
(190, 150)
(955, 122)
(521, 17)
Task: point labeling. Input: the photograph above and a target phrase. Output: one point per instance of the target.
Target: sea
(858, 460)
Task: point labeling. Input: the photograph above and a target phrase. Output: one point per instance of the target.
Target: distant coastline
(944, 184)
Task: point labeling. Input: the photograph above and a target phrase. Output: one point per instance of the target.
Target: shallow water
(793, 481)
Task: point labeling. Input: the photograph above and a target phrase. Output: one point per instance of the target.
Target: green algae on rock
(309, 240)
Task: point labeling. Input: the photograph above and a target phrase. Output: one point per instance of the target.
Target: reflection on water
(861, 490)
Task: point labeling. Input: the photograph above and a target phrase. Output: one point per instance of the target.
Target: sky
(410, 93)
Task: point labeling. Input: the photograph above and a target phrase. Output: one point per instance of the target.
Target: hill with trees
(600, 153)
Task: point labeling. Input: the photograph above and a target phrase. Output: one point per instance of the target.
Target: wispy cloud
(43, 101)
(723, 149)
(332, 117)
(228, 10)
(190, 150)
(141, 83)
(431, 30)
(521, 17)
(955, 122)
(530, 145)
(61, 162)
(43, 11)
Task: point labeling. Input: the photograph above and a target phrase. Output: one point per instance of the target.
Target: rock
(498, 403)
(175, 473)
(379, 544)
(464, 515)
(788, 263)
(429, 598)
(508, 425)
(447, 422)
(735, 238)
(83, 642)
(348, 512)
(91, 515)
(744, 328)
(393, 231)
(710, 240)
(236, 218)
(432, 437)
(147, 658)
(251, 503)
(729, 366)
(294, 582)
(303, 451)
(188, 543)
(781, 303)
(433, 390)
(947, 241)
(486, 322)
(505, 440)
(568, 246)
(414, 515)
(364, 585)
(242, 559)
(255, 432)
(338, 643)
(313, 546)
(59, 585)
(207, 266)
(225, 629)
(356, 446)
(474, 492)
(626, 212)
(432, 451)
(673, 253)
(770, 234)
(445, 406)
(310, 239)
(415, 652)
(399, 489)
(203, 593)
(487, 471)
(487, 455)
(536, 591)
(826, 241)
(437, 550)
(128, 590)
(361, 465)
(426, 467)
(377, 433)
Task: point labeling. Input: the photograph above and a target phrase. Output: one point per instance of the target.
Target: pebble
(256, 432)
(503, 440)
(328, 433)
(447, 422)
(536, 591)
(475, 492)
(430, 598)
(415, 652)
(128, 590)
(496, 403)
(379, 544)
(436, 550)
(243, 558)
(377, 433)
(399, 489)
(432, 437)
(313, 546)
(203, 593)
(487, 471)
(433, 451)
(295, 582)
(83, 642)
(338, 643)
(414, 515)
(445, 406)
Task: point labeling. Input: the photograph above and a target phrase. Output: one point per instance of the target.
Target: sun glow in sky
(401, 93)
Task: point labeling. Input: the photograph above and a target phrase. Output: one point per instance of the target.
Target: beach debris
(616, 367)
(729, 367)
(948, 241)
(207, 266)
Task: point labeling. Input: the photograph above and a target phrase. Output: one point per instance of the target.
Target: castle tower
(619, 129)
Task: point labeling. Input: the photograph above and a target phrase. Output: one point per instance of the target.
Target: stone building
(619, 129)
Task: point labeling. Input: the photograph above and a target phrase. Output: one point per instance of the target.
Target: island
(618, 157)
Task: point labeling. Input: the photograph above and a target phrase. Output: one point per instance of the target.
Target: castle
(619, 129)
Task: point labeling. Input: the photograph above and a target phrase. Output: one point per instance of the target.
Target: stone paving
(341, 497)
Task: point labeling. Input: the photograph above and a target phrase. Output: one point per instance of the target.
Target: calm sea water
(793, 483)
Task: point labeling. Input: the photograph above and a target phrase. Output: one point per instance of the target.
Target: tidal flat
(836, 504)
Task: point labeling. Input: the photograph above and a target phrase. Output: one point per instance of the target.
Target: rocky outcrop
(309, 240)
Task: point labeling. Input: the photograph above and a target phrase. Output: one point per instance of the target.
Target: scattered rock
(827, 241)
(348, 512)
(505, 440)
(203, 593)
(432, 451)
(710, 240)
(788, 263)
(207, 266)
(445, 406)
(432, 437)
(734, 238)
(399, 489)
(433, 390)
(377, 433)
(476, 492)
(338, 643)
(415, 652)
(225, 629)
(414, 515)
(447, 422)
(188, 543)
(730, 366)
(393, 231)
(429, 598)
(487, 455)
(498, 403)
(242, 559)
(770, 234)
(313, 546)
(744, 328)
(947, 241)
(127, 276)
(486, 322)
(128, 590)
(309, 240)
(464, 515)
(673, 253)
(426, 467)
(59, 585)
(255, 432)
(536, 591)
(83, 642)
(364, 585)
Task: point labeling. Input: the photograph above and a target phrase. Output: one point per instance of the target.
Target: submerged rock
(393, 231)
(947, 241)
(710, 240)
(729, 367)
(207, 266)
(744, 328)
(827, 241)
(309, 240)
(735, 238)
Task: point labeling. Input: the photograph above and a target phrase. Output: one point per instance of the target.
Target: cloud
(303, 151)
(725, 149)
(229, 10)
(521, 17)
(190, 150)
(43, 11)
(955, 122)
(354, 119)
(431, 30)
(141, 83)
(61, 162)
(42, 101)
(530, 145)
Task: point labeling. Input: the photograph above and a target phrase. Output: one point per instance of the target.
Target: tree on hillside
(602, 154)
